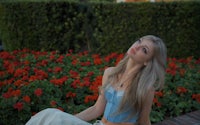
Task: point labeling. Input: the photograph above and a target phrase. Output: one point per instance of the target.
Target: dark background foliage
(100, 27)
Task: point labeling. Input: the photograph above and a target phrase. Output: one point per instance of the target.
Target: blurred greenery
(99, 27)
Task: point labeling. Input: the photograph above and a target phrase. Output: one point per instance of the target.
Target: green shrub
(99, 27)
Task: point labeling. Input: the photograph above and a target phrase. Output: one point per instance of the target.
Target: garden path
(192, 118)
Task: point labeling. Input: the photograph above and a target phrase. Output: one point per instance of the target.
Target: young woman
(127, 90)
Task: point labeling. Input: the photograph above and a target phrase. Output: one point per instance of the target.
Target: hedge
(100, 27)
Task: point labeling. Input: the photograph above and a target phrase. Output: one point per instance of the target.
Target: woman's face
(141, 51)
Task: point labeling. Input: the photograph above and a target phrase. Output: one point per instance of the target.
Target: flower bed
(31, 81)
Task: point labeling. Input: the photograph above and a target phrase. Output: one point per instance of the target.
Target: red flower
(6, 95)
(20, 72)
(42, 63)
(75, 83)
(60, 59)
(6, 55)
(88, 63)
(172, 67)
(74, 74)
(57, 69)
(40, 74)
(120, 56)
(90, 74)
(182, 72)
(90, 98)
(86, 82)
(196, 97)
(74, 61)
(16, 93)
(18, 82)
(18, 106)
(70, 95)
(27, 99)
(38, 92)
(60, 81)
(53, 103)
(33, 78)
(180, 90)
(159, 94)
(52, 57)
(97, 59)
(95, 84)
(156, 102)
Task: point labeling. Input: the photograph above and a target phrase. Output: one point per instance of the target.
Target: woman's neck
(132, 67)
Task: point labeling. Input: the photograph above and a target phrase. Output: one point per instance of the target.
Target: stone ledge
(192, 118)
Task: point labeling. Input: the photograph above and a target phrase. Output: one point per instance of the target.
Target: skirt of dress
(51, 116)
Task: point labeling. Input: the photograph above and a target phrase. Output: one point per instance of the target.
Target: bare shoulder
(107, 72)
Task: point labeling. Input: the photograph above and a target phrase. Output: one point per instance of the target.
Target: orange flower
(27, 99)
(38, 92)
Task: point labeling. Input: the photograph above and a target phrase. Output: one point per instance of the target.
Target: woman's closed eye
(144, 50)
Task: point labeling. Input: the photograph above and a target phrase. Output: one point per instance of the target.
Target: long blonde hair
(150, 76)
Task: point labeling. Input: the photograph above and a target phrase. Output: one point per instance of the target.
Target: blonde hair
(150, 76)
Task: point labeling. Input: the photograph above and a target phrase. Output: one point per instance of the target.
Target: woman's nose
(137, 47)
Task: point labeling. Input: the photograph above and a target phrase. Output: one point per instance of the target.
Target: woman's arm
(146, 109)
(98, 108)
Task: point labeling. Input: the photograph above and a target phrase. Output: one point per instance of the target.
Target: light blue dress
(113, 98)
(51, 116)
